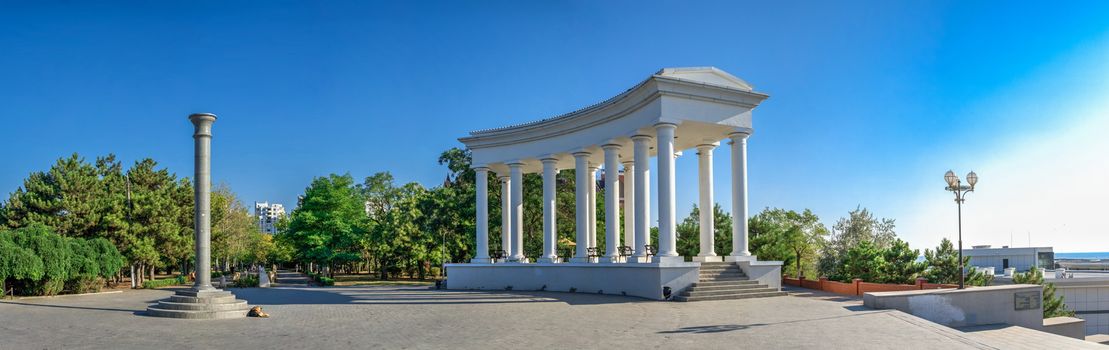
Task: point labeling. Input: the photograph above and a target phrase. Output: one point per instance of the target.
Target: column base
(668, 259)
(581, 259)
(735, 258)
(615, 259)
(639, 259)
(708, 258)
(549, 260)
(520, 260)
(481, 261)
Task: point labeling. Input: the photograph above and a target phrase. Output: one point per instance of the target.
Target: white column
(739, 196)
(550, 235)
(506, 216)
(515, 171)
(612, 202)
(642, 195)
(629, 203)
(704, 176)
(592, 206)
(481, 175)
(581, 206)
(665, 157)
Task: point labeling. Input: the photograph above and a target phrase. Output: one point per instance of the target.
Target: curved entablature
(705, 103)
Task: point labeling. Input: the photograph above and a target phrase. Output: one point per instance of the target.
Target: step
(723, 283)
(195, 300)
(731, 296)
(726, 287)
(196, 314)
(724, 279)
(171, 305)
(698, 293)
(722, 274)
(214, 293)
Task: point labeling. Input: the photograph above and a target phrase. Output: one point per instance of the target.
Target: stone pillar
(581, 206)
(515, 171)
(202, 197)
(202, 301)
(667, 249)
(612, 202)
(592, 206)
(506, 216)
(708, 227)
(481, 176)
(642, 195)
(550, 212)
(629, 203)
(739, 196)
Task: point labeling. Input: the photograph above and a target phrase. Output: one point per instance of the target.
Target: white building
(267, 215)
(673, 110)
(1022, 259)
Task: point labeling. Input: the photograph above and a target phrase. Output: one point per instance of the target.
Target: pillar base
(639, 259)
(708, 258)
(549, 260)
(520, 260)
(615, 259)
(200, 304)
(581, 259)
(735, 258)
(668, 259)
(481, 261)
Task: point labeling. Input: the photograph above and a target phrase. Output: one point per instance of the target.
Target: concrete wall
(1066, 326)
(1088, 298)
(766, 272)
(961, 308)
(640, 280)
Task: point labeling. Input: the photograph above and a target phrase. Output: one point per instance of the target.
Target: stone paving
(384, 317)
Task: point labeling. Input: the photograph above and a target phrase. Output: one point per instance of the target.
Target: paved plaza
(385, 317)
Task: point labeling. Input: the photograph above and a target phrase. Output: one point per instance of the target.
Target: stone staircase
(723, 281)
(191, 304)
(286, 278)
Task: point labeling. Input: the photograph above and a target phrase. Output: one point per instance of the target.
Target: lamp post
(954, 184)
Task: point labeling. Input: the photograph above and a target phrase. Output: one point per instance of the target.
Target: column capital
(581, 154)
(549, 160)
(480, 168)
(641, 137)
(503, 178)
(741, 133)
(611, 146)
(514, 164)
(665, 125)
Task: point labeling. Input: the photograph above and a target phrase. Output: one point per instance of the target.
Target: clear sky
(871, 102)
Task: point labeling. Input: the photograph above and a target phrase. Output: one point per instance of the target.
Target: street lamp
(955, 185)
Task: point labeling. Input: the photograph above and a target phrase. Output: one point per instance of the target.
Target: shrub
(247, 281)
(165, 282)
(327, 281)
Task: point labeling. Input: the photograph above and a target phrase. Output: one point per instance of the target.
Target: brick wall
(857, 287)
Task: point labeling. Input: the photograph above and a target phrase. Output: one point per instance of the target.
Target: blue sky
(871, 102)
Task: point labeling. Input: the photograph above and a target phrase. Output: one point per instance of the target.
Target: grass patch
(385, 283)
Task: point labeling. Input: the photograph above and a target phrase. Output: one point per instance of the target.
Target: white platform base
(712, 258)
(667, 259)
(735, 258)
(549, 260)
(481, 261)
(639, 280)
(639, 259)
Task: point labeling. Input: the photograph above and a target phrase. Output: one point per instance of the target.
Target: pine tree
(1053, 305)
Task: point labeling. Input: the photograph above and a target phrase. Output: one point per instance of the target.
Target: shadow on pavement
(417, 296)
(712, 329)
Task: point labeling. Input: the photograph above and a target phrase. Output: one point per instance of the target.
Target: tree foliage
(35, 260)
(794, 238)
(1052, 304)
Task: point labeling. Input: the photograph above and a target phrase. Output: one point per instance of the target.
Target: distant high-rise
(267, 214)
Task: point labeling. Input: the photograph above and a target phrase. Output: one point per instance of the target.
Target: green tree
(864, 261)
(17, 263)
(325, 227)
(1053, 305)
(859, 225)
(943, 266)
(901, 265)
(786, 235)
